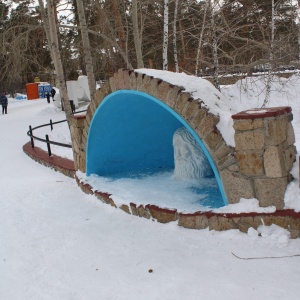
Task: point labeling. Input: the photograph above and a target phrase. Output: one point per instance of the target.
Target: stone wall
(190, 109)
(265, 153)
(258, 167)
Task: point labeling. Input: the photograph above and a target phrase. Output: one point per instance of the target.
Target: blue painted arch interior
(131, 132)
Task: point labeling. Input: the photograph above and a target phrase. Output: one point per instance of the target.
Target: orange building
(32, 91)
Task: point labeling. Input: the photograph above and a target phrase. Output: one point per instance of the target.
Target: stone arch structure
(258, 167)
(193, 115)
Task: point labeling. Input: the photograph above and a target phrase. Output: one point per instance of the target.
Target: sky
(59, 243)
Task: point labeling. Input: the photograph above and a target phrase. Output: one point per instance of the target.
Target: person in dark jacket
(53, 92)
(4, 103)
(48, 97)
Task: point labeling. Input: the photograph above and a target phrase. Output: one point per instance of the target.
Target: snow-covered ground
(58, 243)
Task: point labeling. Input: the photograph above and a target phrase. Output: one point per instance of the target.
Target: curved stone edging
(287, 219)
(60, 164)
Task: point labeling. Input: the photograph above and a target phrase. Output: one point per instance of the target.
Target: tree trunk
(86, 49)
(200, 41)
(298, 17)
(46, 26)
(174, 36)
(136, 35)
(57, 59)
(166, 34)
(271, 54)
(214, 47)
(119, 24)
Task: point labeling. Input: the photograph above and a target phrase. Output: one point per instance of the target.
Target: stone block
(125, 208)
(220, 223)
(182, 101)
(290, 157)
(153, 87)
(276, 131)
(191, 109)
(142, 80)
(162, 215)
(213, 139)
(193, 221)
(145, 83)
(233, 168)
(207, 125)
(270, 191)
(104, 197)
(163, 91)
(290, 134)
(133, 209)
(226, 161)
(236, 186)
(92, 107)
(112, 84)
(172, 96)
(249, 140)
(89, 115)
(248, 124)
(277, 220)
(294, 227)
(274, 162)
(245, 223)
(142, 212)
(250, 162)
(199, 117)
(84, 137)
(222, 151)
(99, 96)
(75, 146)
(126, 79)
(119, 80)
(133, 80)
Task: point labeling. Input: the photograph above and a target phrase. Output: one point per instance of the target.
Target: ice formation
(189, 159)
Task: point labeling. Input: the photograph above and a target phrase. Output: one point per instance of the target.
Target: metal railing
(46, 140)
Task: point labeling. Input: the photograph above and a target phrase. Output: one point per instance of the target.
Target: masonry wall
(265, 152)
(191, 110)
(258, 167)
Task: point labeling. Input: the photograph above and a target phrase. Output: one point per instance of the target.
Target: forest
(202, 38)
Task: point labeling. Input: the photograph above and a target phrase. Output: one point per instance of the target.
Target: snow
(59, 243)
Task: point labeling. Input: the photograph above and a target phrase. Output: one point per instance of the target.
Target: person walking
(53, 92)
(48, 97)
(4, 103)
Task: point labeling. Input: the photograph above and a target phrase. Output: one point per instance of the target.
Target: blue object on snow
(131, 133)
(20, 97)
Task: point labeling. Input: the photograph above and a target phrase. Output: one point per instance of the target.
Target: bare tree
(86, 48)
(271, 54)
(174, 36)
(200, 40)
(166, 35)
(136, 35)
(214, 45)
(298, 17)
(56, 56)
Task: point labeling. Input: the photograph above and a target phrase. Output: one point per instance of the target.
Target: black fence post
(51, 125)
(48, 145)
(31, 138)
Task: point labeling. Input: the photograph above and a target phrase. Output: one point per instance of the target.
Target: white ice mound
(189, 159)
